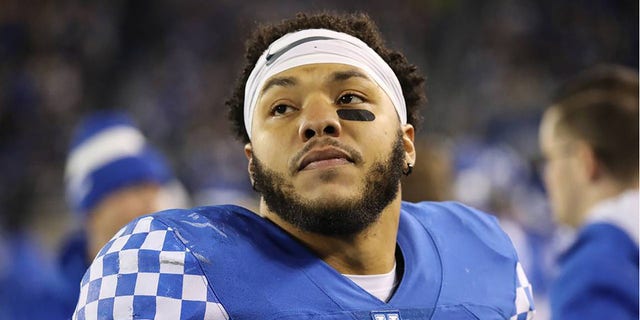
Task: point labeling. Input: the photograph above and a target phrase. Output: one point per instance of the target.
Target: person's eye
(350, 98)
(281, 109)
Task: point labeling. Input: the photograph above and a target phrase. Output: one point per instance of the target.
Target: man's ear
(589, 164)
(248, 152)
(408, 138)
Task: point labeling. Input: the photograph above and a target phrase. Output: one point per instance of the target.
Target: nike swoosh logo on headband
(272, 57)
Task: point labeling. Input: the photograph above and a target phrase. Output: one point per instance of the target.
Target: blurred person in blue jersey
(327, 115)
(113, 175)
(29, 285)
(589, 137)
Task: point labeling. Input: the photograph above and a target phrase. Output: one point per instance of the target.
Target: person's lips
(324, 157)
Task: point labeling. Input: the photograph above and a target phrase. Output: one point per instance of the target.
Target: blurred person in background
(29, 285)
(589, 139)
(112, 176)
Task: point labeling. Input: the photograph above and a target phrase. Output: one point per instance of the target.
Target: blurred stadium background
(491, 67)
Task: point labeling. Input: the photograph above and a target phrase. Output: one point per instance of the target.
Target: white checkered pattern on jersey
(145, 272)
(524, 296)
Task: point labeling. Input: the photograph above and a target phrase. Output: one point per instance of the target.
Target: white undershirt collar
(621, 211)
(380, 286)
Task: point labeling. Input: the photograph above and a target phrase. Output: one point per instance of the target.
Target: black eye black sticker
(356, 115)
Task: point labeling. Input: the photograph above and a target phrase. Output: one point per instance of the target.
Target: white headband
(320, 46)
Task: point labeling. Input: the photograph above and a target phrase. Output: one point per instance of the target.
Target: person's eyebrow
(346, 75)
(279, 81)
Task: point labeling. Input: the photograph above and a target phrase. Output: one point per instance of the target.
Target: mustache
(322, 142)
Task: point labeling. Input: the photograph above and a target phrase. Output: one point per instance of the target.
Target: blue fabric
(457, 264)
(73, 263)
(29, 284)
(598, 277)
(155, 277)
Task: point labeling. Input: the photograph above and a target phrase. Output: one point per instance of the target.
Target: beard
(339, 217)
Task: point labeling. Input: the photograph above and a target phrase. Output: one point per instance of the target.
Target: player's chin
(332, 175)
(329, 182)
(330, 193)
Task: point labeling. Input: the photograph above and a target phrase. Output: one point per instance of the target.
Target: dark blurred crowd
(490, 66)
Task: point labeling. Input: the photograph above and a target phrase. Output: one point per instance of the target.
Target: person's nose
(320, 119)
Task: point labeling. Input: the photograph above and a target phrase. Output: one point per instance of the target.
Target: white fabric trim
(104, 147)
(524, 296)
(320, 46)
(621, 211)
(380, 286)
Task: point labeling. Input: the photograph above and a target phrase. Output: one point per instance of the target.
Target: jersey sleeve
(524, 296)
(146, 272)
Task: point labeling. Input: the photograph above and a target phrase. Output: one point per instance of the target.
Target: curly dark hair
(359, 25)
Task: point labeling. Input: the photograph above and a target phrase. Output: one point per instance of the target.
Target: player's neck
(603, 190)
(370, 252)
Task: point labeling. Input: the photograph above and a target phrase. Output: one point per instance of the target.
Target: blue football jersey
(598, 278)
(225, 262)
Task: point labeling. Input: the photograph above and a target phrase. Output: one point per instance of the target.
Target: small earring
(408, 170)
